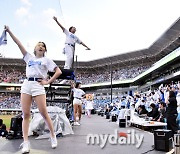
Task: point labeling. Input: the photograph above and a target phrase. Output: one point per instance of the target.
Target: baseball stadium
(115, 104)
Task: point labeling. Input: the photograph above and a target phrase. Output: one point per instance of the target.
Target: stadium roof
(165, 44)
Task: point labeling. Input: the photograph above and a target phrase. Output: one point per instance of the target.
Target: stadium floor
(76, 144)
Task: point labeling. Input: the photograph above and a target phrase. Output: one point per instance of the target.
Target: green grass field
(6, 120)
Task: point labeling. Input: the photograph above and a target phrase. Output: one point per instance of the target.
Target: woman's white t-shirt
(38, 67)
(78, 93)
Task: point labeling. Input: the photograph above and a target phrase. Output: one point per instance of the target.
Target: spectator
(142, 110)
(162, 111)
(3, 131)
(154, 113)
(171, 112)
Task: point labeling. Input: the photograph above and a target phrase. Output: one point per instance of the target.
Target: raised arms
(55, 18)
(21, 47)
(87, 48)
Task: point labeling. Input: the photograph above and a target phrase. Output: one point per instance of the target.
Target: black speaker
(102, 114)
(128, 117)
(122, 123)
(163, 140)
(15, 131)
(16, 123)
(93, 111)
(177, 143)
(114, 118)
(107, 115)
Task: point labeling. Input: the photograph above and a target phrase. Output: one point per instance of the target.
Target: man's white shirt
(71, 38)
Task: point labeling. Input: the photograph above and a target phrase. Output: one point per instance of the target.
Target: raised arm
(55, 18)
(87, 48)
(21, 47)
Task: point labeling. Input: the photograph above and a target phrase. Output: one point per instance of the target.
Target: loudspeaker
(163, 140)
(122, 123)
(107, 115)
(93, 111)
(128, 117)
(177, 140)
(114, 118)
(16, 123)
(15, 131)
(102, 114)
(177, 143)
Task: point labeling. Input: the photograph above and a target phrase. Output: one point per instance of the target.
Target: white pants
(69, 52)
(32, 88)
(77, 101)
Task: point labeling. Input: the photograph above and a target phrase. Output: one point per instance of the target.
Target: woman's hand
(6, 28)
(15, 39)
(55, 18)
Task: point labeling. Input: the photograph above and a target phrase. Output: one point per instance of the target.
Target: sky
(108, 27)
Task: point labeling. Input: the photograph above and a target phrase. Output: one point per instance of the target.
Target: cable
(149, 150)
(61, 13)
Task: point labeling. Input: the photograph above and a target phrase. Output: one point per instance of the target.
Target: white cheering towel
(3, 39)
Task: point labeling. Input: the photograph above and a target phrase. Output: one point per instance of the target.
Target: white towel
(3, 39)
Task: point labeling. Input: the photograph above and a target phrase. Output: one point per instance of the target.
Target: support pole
(111, 79)
(75, 69)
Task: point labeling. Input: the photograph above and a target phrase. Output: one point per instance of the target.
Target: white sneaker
(25, 147)
(54, 142)
(76, 124)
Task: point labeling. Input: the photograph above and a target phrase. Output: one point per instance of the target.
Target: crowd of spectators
(11, 101)
(12, 76)
(156, 96)
(153, 103)
(18, 76)
(105, 76)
